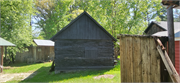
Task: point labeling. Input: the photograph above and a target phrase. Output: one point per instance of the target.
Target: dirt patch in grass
(15, 76)
(104, 76)
(9, 67)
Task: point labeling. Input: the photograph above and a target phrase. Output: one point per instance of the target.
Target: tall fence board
(140, 60)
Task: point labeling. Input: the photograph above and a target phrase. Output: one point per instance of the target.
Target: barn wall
(140, 60)
(79, 54)
(22, 57)
(42, 53)
(83, 28)
(154, 28)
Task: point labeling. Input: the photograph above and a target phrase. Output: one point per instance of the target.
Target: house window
(39, 49)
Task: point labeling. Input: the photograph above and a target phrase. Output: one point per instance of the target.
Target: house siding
(177, 56)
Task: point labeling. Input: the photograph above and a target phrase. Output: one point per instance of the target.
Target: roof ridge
(63, 29)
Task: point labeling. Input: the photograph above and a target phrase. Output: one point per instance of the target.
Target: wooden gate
(140, 60)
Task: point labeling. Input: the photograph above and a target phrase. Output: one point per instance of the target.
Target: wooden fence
(36, 54)
(140, 60)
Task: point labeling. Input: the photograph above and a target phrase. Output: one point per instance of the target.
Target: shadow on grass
(43, 75)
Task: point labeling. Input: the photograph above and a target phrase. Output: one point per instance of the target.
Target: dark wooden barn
(83, 44)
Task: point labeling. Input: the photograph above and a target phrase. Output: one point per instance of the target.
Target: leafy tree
(121, 16)
(116, 16)
(15, 24)
(176, 15)
(53, 16)
(163, 14)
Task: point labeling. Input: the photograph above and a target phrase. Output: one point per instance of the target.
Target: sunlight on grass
(26, 68)
(118, 57)
(43, 74)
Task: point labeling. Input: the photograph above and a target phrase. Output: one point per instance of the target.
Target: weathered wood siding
(22, 57)
(154, 29)
(76, 54)
(83, 28)
(140, 60)
(83, 44)
(42, 53)
(0, 56)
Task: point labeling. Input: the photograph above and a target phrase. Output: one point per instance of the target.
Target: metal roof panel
(165, 33)
(40, 42)
(4, 42)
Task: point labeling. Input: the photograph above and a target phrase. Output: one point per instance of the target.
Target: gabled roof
(161, 33)
(40, 42)
(150, 25)
(84, 13)
(4, 42)
(163, 25)
(165, 33)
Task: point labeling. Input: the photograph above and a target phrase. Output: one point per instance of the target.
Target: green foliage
(116, 16)
(163, 14)
(120, 16)
(176, 14)
(117, 67)
(15, 23)
(53, 16)
(40, 37)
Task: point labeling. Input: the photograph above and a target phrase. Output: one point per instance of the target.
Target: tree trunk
(12, 57)
(5, 53)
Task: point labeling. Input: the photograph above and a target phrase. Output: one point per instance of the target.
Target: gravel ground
(104, 76)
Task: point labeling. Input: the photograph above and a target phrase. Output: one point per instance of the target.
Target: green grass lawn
(43, 74)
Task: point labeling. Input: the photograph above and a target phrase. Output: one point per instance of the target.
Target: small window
(39, 49)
